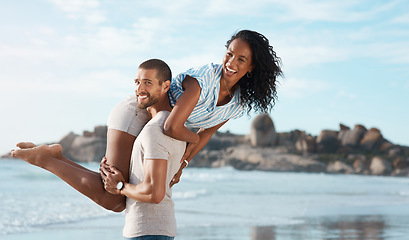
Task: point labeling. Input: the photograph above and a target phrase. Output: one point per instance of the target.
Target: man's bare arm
(151, 190)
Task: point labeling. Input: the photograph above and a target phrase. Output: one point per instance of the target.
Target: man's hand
(111, 177)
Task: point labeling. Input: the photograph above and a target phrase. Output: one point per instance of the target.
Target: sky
(65, 64)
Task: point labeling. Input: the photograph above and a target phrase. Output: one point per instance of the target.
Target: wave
(403, 193)
(189, 194)
(34, 221)
(20, 215)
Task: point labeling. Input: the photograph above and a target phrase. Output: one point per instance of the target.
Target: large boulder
(101, 131)
(66, 143)
(380, 166)
(288, 139)
(306, 144)
(327, 141)
(87, 149)
(339, 167)
(359, 163)
(351, 138)
(262, 131)
(372, 140)
(400, 163)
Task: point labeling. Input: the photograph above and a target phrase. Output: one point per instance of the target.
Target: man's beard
(145, 104)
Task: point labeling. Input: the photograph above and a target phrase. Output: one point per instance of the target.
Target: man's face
(147, 88)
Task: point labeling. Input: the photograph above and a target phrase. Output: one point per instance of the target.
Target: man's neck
(160, 106)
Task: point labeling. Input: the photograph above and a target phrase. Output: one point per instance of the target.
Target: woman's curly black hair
(258, 91)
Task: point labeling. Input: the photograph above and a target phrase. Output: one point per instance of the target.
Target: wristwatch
(120, 185)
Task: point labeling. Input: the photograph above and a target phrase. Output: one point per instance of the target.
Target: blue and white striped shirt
(206, 114)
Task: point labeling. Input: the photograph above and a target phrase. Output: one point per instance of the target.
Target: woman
(205, 98)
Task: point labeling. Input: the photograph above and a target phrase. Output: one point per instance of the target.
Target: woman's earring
(249, 74)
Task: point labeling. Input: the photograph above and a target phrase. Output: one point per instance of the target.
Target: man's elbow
(157, 197)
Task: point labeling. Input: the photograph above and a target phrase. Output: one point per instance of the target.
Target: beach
(221, 203)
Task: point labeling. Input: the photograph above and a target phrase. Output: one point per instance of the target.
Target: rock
(90, 147)
(372, 140)
(339, 167)
(400, 163)
(351, 138)
(66, 143)
(394, 151)
(401, 172)
(101, 131)
(209, 158)
(222, 141)
(288, 139)
(359, 162)
(385, 145)
(360, 165)
(87, 134)
(87, 149)
(306, 144)
(262, 131)
(327, 141)
(264, 149)
(270, 159)
(380, 166)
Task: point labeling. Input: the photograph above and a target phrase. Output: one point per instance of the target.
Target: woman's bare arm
(192, 149)
(175, 123)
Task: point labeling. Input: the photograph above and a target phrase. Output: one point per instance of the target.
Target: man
(155, 160)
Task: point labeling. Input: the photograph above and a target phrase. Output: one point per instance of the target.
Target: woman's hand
(188, 151)
(177, 176)
(110, 177)
(184, 162)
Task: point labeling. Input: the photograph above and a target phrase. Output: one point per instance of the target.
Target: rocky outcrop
(88, 147)
(270, 159)
(343, 151)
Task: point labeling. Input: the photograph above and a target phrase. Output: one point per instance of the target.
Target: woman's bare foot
(37, 155)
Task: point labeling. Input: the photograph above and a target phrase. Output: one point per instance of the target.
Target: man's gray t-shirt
(149, 218)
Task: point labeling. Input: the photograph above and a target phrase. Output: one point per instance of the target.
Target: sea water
(221, 203)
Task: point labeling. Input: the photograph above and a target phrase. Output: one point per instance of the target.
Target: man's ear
(166, 85)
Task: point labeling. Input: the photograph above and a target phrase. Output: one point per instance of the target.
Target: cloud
(401, 19)
(332, 11)
(344, 94)
(297, 88)
(298, 56)
(79, 9)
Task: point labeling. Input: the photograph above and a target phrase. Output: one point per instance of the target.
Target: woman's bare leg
(119, 149)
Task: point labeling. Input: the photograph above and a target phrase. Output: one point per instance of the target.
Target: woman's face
(237, 61)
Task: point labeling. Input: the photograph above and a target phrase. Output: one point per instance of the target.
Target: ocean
(221, 203)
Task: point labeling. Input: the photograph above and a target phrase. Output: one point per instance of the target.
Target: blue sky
(65, 64)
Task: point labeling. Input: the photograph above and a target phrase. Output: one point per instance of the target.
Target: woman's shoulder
(207, 68)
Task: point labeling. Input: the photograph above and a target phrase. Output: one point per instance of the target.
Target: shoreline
(353, 227)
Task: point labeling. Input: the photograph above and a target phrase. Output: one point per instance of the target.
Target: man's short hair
(163, 71)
